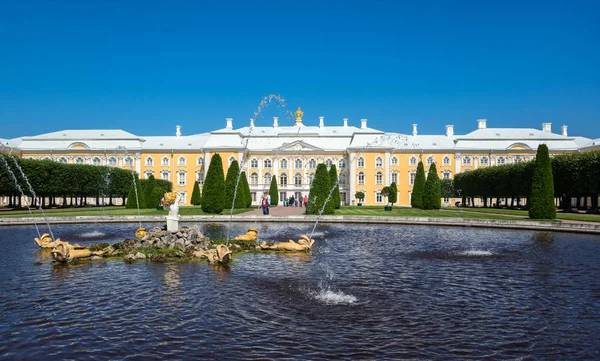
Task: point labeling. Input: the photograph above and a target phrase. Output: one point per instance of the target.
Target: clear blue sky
(145, 66)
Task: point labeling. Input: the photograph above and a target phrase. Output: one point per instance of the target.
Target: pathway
(276, 211)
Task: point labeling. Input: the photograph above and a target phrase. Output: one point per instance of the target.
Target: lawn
(524, 213)
(110, 211)
(412, 212)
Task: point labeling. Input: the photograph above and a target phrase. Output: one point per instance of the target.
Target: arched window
(164, 161)
(378, 162)
(446, 161)
(267, 178)
(361, 178)
(254, 179)
(501, 161)
(311, 178)
(164, 175)
(411, 177)
(394, 177)
(267, 163)
(149, 161)
(446, 174)
(200, 161)
(112, 161)
(518, 159)
(394, 161)
(379, 178)
(181, 161)
(96, 161)
(200, 177)
(298, 163)
(181, 177)
(312, 164)
(148, 173)
(254, 163)
(78, 160)
(467, 160)
(361, 162)
(430, 160)
(283, 164)
(283, 179)
(62, 160)
(413, 161)
(342, 164)
(485, 161)
(298, 179)
(129, 161)
(328, 163)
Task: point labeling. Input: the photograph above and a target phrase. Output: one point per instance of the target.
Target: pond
(366, 292)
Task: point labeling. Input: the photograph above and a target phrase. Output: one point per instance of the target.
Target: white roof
(83, 134)
(190, 142)
(510, 133)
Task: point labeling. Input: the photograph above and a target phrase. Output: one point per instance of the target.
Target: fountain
(172, 201)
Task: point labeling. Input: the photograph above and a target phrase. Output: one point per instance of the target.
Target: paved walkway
(276, 211)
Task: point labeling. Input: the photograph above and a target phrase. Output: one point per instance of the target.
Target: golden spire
(299, 114)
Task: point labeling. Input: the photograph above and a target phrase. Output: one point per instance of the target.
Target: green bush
(274, 191)
(132, 200)
(393, 196)
(431, 191)
(149, 186)
(319, 191)
(541, 201)
(416, 199)
(213, 194)
(196, 196)
(230, 182)
(360, 196)
(333, 179)
(246, 190)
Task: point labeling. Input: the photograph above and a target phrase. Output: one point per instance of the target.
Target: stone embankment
(579, 227)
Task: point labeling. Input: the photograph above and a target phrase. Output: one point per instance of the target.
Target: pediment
(298, 146)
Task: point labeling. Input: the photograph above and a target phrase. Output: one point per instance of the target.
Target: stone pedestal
(173, 223)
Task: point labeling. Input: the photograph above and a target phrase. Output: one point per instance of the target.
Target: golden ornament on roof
(299, 114)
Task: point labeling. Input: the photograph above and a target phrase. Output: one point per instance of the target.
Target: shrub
(132, 200)
(246, 190)
(333, 179)
(541, 201)
(393, 196)
(431, 191)
(196, 196)
(416, 199)
(319, 191)
(230, 182)
(360, 196)
(274, 191)
(149, 186)
(213, 195)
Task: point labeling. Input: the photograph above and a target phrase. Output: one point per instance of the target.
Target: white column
(138, 164)
(261, 180)
(475, 162)
(206, 163)
(352, 176)
(275, 163)
(386, 169)
(457, 160)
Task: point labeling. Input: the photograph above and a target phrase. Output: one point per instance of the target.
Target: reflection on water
(366, 292)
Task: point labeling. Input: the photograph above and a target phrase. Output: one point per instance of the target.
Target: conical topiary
(319, 191)
(416, 199)
(213, 195)
(333, 179)
(432, 191)
(541, 200)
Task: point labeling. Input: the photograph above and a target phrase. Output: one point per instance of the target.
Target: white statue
(174, 208)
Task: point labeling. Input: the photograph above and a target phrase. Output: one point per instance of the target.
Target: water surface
(367, 292)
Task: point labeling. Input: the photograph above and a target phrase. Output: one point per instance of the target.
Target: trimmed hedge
(416, 199)
(333, 179)
(213, 194)
(274, 191)
(319, 191)
(431, 193)
(541, 201)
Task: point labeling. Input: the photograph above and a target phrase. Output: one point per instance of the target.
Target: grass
(412, 212)
(110, 211)
(525, 214)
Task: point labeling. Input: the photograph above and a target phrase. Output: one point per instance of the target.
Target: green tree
(541, 201)
(230, 182)
(319, 191)
(416, 199)
(149, 185)
(132, 200)
(274, 191)
(213, 194)
(196, 195)
(447, 188)
(431, 191)
(335, 196)
(246, 190)
(360, 196)
(393, 196)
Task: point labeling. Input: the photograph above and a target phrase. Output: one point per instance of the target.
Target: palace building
(367, 159)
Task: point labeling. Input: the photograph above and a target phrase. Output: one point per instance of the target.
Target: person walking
(305, 200)
(300, 200)
(265, 206)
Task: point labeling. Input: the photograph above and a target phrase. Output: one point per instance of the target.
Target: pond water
(366, 292)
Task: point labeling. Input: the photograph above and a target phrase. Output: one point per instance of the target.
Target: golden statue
(299, 114)
(304, 245)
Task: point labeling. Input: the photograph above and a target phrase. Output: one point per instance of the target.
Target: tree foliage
(333, 179)
(213, 192)
(148, 186)
(431, 192)
(246, 190)
(196, 196)
(135, 197)
(416, 199)
(541, 201)
(230, 182)
(319, 192)
(393, 196)
(274, 191)
(360, 196)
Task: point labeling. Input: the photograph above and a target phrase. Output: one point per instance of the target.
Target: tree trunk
(594, 203)
(485, 202)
